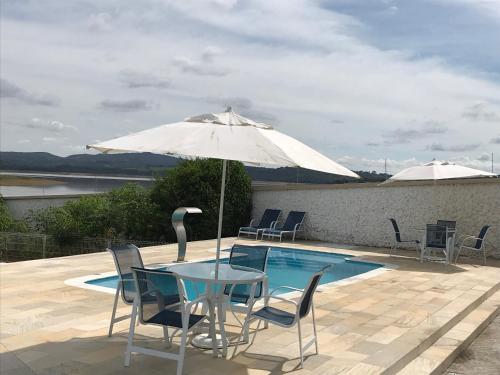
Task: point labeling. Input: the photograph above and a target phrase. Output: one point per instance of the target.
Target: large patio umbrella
(226, 136)
(437, 170)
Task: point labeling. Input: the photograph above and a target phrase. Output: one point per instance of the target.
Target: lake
(66, 184)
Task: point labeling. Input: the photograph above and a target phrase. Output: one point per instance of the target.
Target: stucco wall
(357, 213)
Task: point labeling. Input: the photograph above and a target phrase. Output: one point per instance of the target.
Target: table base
(204, 341)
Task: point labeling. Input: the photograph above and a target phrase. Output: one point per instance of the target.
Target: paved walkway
(482, 357)
(366, 327)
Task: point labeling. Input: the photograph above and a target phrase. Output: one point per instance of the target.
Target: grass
(27, 181)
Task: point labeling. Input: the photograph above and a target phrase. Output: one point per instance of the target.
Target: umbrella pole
(221, 214)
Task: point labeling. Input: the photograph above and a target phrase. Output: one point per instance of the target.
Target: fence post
(44, 245)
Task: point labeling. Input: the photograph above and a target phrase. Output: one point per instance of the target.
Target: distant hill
(147, 164)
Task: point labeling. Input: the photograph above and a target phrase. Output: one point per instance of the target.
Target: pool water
(291, 267)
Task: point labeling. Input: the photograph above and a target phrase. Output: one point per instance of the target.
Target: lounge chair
(125, 257)
(301, 308)
(294, 223)
(157, 289)
(268, 220)
(475, 244)
(398, 241)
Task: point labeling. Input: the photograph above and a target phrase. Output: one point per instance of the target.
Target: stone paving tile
(48, 327)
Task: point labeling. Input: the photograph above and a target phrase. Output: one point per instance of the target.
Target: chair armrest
(286, 287)
(281, 299)
(468, 238)
(251, 223)
(194, 302)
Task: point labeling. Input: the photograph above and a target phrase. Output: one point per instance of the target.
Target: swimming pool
(285, 266)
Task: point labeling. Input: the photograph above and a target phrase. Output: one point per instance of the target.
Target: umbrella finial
(229, 109)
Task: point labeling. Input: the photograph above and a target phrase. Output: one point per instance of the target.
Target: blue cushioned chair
(399, 241)
(475, 244)
(294, 223)
(268, 220)
(302, 307)
(157, 291)
(125, 257)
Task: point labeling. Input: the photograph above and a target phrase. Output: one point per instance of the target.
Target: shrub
(196, 183)
(87, 216)
(132, 214)
(7, 222)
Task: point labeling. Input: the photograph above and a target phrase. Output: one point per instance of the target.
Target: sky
(361, 81)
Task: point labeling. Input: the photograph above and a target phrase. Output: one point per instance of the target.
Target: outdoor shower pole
(221, 214)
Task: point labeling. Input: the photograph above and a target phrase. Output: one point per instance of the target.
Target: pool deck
(412, 319)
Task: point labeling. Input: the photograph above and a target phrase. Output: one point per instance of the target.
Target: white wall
(357, 213)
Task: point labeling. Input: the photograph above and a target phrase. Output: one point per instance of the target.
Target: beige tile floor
(372, 326)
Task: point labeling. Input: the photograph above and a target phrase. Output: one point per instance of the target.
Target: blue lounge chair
(268, 220)
(294, 223)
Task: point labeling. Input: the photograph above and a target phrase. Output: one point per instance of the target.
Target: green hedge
(135, 212)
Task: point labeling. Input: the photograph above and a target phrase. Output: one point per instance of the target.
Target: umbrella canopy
(226, 136)
(438, 170)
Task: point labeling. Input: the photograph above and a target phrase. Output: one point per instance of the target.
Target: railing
(26, 246)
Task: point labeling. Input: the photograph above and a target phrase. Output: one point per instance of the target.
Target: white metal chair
(125, 257)
(398, 241)
(157, 293)
(287, 319)
(475, 244)
(439, 239)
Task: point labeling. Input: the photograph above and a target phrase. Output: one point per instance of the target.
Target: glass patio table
(214, 290)
(450, 236)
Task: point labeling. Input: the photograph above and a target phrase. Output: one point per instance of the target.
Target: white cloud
(49, 125)
(100, 22)
(295, 61)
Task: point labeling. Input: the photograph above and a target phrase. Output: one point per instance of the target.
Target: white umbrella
(226, 136)
(437, 170)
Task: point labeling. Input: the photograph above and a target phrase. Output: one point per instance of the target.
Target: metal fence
(25, 246)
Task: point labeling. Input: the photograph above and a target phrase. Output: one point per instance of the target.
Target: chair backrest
(306, 300)
(249, 257)
(396, 230)
(482, 234)
(447, 223)
(435, 236)
(268, 217)
(293, 218)
(126, 256)
(156, 289)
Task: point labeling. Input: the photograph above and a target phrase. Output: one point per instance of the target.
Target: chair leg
(113, 314)
(300, 345)
(165, 336)
(131, 335)
(484, 256)
(182, 350)
(293, 236)
(458, 254)
(314, 329)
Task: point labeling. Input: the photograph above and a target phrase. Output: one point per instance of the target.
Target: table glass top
(206, 271)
